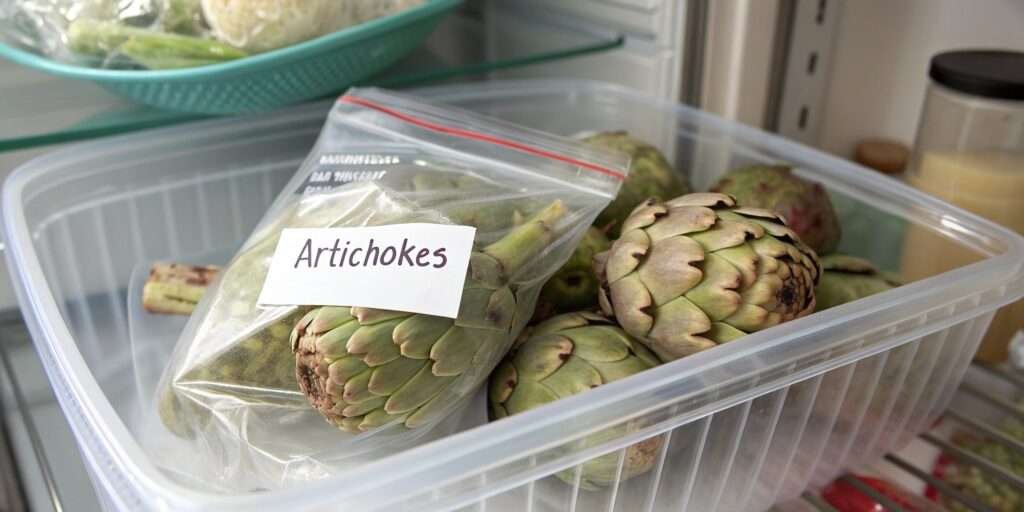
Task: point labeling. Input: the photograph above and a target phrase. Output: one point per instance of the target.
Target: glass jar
(970, 152)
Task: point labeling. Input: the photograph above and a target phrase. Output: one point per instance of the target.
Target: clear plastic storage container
(742, 426)
(970, 152)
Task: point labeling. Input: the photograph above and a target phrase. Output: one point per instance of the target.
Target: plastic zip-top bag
(242, 403)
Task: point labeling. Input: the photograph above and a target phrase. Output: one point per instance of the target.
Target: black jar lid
(997, 74)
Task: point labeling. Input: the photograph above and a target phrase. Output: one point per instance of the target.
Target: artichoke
(259, 355)
(699, 270)
(650, 175)
(847, 278)
(566, 355)
(260, 361)
(239, 352)
(804, 204)
(574, 286)
(363, 368)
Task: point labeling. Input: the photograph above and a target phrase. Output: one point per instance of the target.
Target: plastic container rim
(129, 464)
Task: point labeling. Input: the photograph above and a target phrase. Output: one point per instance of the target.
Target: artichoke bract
(650, 175)
(363, 368)
(848, 278)
(574, 287)
(804, 204)
(700, 270)
(566, 355)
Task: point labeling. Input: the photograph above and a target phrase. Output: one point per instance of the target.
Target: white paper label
(419, 268)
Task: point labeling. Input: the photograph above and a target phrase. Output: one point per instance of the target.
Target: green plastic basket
(311, 69)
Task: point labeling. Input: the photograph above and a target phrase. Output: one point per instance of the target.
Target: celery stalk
(153, 49)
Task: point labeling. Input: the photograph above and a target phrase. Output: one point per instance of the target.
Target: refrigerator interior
(744, 61)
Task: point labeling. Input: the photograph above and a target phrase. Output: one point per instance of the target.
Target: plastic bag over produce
(165, 34)
(382, 380)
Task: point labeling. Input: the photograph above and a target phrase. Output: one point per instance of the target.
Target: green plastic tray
(300, 72)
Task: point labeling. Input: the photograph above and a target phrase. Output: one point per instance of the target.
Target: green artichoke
(574, 287)
(699, 270)
(258, 358)
(804, 204)
(363, 368)
(260, 361)
(847, 278)
(239, 351)
(650, 175)
(566, 355)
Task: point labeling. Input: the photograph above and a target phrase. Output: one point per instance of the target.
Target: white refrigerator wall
(880, 64)
(738, 58)
(650, 60)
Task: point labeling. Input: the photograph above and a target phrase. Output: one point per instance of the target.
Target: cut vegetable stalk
(175, 288)
(147, 47)
(526, 240)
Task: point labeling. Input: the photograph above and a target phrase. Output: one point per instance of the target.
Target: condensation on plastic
(229, 392)
(164, 34)
(748, 423)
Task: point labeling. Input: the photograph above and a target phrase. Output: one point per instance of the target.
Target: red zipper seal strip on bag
(467, 134)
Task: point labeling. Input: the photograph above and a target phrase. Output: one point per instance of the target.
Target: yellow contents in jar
(988, 183)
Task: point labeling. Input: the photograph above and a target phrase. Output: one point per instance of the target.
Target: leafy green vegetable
(149, 48)
(182, 17)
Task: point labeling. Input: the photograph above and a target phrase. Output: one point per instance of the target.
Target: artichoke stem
(175, 288)
(527, 240)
